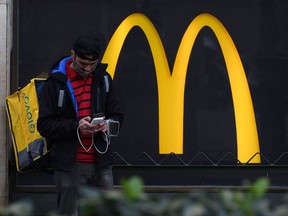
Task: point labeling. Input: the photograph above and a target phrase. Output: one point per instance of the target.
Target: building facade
(6, 33)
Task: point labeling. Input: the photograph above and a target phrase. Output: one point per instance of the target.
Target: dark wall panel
(259, 29)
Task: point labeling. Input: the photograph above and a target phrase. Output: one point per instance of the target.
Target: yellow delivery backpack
(30, 148)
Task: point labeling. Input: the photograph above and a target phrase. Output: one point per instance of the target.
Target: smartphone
(97, 120)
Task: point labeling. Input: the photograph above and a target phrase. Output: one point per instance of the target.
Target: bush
(132, 201)
(22, 208)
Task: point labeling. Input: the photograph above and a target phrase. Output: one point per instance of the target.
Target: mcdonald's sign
(171, 87)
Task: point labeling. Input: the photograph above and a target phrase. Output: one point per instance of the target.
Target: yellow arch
(171, 88)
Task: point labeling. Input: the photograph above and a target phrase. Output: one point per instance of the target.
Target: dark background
(46, 30)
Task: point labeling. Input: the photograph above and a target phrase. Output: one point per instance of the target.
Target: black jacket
(59, 124)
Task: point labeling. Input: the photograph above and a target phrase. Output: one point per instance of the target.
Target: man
(77, 89)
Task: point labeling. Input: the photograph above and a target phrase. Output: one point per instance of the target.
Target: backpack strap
(102, 91)
(61, 99)
(106, 82)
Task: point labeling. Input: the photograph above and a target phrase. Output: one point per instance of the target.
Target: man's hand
(87, 128)
(102, 126)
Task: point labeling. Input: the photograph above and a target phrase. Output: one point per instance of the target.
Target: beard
(81, 71)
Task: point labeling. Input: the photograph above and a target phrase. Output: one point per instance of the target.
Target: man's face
(83, 66)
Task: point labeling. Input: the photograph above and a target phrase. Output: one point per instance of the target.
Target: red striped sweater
(82, 91)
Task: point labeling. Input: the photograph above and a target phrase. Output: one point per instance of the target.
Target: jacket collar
(59, 72)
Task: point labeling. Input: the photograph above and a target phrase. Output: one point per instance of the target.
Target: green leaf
(260, 187)
(133, 187)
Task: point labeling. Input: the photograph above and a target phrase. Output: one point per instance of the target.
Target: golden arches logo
(171, 87)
